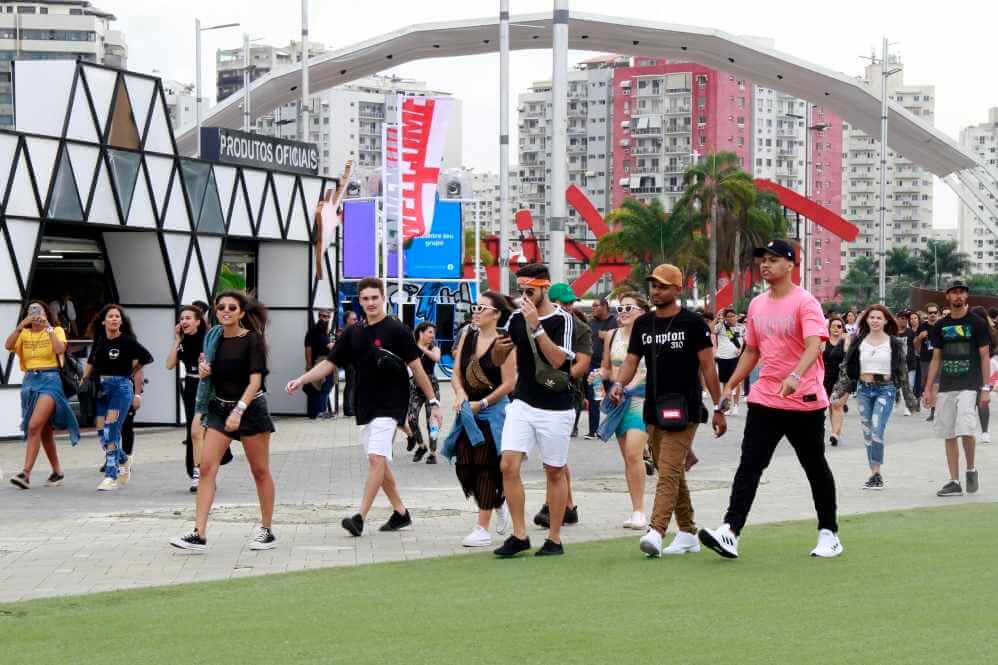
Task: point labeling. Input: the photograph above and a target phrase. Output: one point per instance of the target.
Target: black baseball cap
(957, 284)
(780, 248)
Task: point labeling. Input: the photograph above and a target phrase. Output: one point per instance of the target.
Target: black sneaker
(432, 459)
(571, 515)
(55, 480)
(543, 517)
(880, 482)
(834, 440)
(550, 548)
(192, 541)
(952, 488)
(591, 436)
(354, 525)
(21, 480)
(972, 483)
(932, 416)
(397, 521)
(263, 539)
(410, 443)
(418, 457)
(513, 546)
(871, 483)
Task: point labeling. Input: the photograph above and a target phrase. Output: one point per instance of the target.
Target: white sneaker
(637, 521)
(683, 543)
(985, 437)
(651, 543)
(107, 485)
(722, 540)
(828, 545)
(478, 537)
(505, 521)
(195, 480)
(907, 411)
(733, 411)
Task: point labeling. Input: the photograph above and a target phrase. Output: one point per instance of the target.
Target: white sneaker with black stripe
(263, 539)
(722, 540)
(828, 545)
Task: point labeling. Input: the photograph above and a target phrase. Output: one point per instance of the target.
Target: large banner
(423, 130)
(360, 239)
(438, 253)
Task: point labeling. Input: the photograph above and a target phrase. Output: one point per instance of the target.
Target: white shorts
(527, 426)
(956, 414)
(377, 437)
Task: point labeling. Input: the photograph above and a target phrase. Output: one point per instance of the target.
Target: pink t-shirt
(778, 328)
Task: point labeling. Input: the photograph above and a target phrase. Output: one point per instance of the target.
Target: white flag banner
(424, 137)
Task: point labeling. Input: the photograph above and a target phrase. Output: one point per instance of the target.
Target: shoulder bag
(551, 378)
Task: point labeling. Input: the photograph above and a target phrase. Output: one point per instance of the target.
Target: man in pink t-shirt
(784, 331)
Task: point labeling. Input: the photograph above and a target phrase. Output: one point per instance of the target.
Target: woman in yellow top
(43, 403)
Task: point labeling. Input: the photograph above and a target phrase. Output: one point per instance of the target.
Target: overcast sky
(950, 46)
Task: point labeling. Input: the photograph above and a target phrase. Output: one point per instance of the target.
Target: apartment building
(973, 237)
(55, 30)
(485, 208)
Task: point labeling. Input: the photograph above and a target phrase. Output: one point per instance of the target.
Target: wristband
(50, 330)
(540, 331)
(797, 376)
(483, 404)
(241, 405)
(988, 388)
(434, 402)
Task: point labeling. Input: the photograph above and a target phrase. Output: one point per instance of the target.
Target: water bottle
(597, 385)
(434, 431)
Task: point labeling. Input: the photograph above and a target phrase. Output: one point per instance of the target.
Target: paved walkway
(72, 539)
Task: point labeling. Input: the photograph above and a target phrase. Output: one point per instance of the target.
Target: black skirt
(255, 420)
(478, 469)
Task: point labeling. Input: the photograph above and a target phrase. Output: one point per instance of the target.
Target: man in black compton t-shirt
(380, 350)
(961, 359)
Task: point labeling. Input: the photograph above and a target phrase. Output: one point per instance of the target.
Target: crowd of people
(647, 372)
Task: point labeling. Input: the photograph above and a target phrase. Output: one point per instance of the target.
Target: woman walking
(188, 342)
(481, 390)
(429, 356)
(833, 353)
(115, 358)
(231, 393)
(44, 408)
(915, 375)
(875, 368)
(625, 419)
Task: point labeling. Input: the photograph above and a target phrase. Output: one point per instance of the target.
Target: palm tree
(645, 236)
(901, 264)
(940, 258)
(859, 286)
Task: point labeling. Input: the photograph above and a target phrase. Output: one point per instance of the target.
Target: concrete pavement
(72, 539)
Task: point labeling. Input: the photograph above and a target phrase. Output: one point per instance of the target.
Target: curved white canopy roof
(850, 98)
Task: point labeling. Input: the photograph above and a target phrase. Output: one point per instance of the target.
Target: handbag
(69, 376)
(551, 378)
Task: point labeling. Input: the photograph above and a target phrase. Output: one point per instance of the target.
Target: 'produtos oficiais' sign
(235, 147)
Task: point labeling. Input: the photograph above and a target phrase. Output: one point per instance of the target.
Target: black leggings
(189, 394)
(985, 413)
(128, 432)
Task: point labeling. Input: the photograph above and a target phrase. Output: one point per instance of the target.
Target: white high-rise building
(973, 237)
(909, 186)
(65, 29)
(485, 208)
(589, 151)
(180, 98)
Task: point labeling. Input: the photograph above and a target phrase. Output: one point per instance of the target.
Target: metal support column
(883, 175)
(303, 129)
(504, 212)
(559, 148)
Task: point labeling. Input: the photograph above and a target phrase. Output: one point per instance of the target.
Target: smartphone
(35, 310)
(502, 332)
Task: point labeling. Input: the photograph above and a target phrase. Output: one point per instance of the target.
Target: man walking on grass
(380, 350)
(961, 360)
(785, 330)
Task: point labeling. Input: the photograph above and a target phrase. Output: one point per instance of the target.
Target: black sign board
(235, 147)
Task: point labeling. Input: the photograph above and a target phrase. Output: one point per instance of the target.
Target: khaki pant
(669, 451)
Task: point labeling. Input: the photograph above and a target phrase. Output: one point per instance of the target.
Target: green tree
(898, 293)
(644, 235)
(469, 249)
(902, 264)
(983, 283)
(859, 286)
(941, 260)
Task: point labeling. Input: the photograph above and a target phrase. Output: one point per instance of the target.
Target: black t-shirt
(908, 335)
(960, 341)
(189, 352)
(925, 355)
(318, 338)
(674, 367)
(559, 326)
(382, 390)
(428, 363)
(609, 323)
(114, 357)
(234, 361)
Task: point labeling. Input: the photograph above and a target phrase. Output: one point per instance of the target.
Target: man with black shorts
(543, 412)
(380, 350)
(730, 341)
(961, 359)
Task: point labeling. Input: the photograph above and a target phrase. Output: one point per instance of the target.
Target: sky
(950, 46)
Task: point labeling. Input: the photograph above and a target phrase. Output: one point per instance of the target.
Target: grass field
(918, 586)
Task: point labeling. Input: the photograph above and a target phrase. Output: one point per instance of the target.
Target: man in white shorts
(543, 411)
(379, 349)
(962, 361)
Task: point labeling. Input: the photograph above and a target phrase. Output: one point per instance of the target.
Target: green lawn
(918, 586)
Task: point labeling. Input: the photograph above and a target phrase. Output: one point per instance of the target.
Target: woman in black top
(235, 364)
(833, 353)
(188, 342)
(483, 388)
(429, 356)
(115, 361)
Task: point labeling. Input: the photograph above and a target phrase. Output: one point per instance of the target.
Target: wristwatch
(988, 388)
(50, 330)
(797, 376)
(434, 402)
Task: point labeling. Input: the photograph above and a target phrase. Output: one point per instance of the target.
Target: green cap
(562, 293)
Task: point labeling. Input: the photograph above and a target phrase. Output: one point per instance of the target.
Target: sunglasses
(226, 308)
(933, 313)
(836, 325)
(529, 292)
(626, 309)
(478, 309)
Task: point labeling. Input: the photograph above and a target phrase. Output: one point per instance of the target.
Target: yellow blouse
(34, 350)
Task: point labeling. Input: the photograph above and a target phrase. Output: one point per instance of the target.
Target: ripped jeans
(114, 397)
(876, 401)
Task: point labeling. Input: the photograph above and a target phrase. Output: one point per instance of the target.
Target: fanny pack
(551, 378)
(671, 412)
